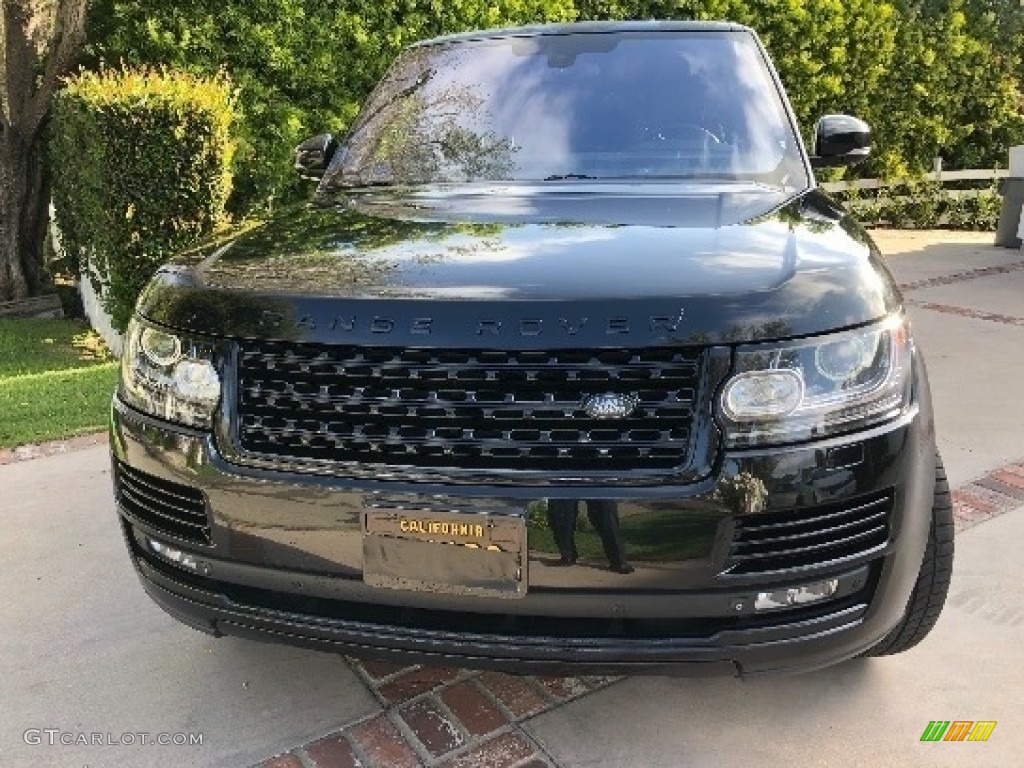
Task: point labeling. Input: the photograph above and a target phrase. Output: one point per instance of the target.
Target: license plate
(451, 553)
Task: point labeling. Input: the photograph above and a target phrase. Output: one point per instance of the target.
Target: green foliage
(933, 77)
(953, 92)
(938, 78)
(301, 68)
(918, 204)
(143, 168)
(831, 54)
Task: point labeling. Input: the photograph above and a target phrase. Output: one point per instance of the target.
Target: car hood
(534, 266)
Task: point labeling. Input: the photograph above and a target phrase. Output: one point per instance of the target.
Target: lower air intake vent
(177, 510)
(828, 534)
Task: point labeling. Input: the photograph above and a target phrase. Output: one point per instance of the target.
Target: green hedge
(933, 77)
(142, 167)
(301, 68)
(919, 204)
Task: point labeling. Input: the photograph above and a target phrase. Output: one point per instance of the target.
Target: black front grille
(174, 509)
(467, 409)
(808, 538)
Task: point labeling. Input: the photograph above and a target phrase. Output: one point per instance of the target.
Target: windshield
(585, 105)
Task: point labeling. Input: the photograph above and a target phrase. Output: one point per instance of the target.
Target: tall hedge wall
(934, 77)
(301, 67)
(142, 166)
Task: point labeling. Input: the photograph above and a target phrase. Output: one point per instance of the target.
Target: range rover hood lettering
(459, 271)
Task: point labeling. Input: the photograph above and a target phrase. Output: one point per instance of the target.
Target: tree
(301, 68)
(40, 40)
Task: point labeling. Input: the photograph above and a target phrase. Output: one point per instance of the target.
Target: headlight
(169, 376)
(810, 388)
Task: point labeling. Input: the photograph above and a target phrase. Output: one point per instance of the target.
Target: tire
(932, 585)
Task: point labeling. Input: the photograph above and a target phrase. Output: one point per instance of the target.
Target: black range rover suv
(548, 271)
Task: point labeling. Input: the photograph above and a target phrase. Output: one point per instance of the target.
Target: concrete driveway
(86, 658)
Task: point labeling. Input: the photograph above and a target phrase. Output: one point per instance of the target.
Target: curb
(51, 448)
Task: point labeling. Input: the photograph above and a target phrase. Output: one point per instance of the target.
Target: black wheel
(929, 593)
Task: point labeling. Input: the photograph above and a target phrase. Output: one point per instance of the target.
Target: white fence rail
(942, 176)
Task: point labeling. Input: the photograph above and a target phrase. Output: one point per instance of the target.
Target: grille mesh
(172, 508)
(470, 409)
(792, 540)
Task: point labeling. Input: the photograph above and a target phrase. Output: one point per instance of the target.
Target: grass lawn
(56, 379)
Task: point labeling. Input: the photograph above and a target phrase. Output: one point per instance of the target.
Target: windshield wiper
(569, 177)
(351, 186)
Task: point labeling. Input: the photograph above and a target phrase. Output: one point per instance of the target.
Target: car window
(619, 105)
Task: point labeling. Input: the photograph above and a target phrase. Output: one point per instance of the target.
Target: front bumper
(283, 562)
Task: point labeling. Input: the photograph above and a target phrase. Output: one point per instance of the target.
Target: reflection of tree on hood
(323, 249)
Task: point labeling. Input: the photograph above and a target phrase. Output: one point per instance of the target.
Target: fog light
(783, 598)
(175, 556)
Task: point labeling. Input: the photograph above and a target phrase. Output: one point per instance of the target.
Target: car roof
(587, 27)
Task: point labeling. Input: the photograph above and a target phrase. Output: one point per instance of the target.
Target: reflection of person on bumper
(603, 515)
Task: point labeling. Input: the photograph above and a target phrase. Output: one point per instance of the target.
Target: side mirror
(312, 156)
(840, 140)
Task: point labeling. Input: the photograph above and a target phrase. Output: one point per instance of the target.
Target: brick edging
(51, 448)
(974, 314)
(960, 277)
(444, 718)
(991, 495)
